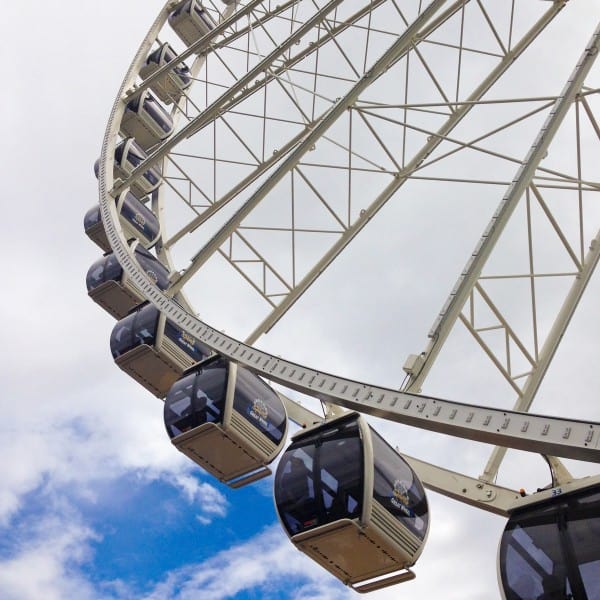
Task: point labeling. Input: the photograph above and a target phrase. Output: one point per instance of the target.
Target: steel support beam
(403, 176)
(549, 348)
(399, 47)
(522, 180)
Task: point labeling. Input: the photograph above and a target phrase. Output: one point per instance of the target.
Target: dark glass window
(552, 551)
(320, 478)
(162, 55)
(135, 155)
(341, 476)
(121, 338)
(155, 56)
(183, 7)
(146, 324)
(196, 398)
(104, 269)
(140, 217)
(260, 405)
(133, 330)
(169, 54)
(295, 490)
(584, 531)
(204, 16)
(119, 151)
(396, 487)
(153, 267)
(92, 217)
(95, 274)
(152, 176)
(157, 113)
(133, 105)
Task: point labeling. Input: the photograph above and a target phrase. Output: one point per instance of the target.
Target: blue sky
(95, 503)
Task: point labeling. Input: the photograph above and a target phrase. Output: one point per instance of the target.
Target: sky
(95, 503)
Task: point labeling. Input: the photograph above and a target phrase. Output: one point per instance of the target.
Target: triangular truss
(281, 73)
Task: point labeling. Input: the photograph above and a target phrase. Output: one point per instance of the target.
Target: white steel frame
(275, 67)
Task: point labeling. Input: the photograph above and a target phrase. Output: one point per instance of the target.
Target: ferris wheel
(250, 145)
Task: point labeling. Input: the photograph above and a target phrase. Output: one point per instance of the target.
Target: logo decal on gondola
(260, 412)
(187, 340)
(400, 498)
(139, 219)
(152, 275)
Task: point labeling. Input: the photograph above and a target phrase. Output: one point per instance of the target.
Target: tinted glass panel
(95, 274)
(105, 269)
(552, 550)
(168, 54)
(154, 57)
(295, 490)
(133, 105)
(140, 217)
(119, 151)
(528, 565)
(92, 217)
(152, 176)
(260, 405)
(135, 329)
(397, 488)
(146, 324)
(121, 338)
(320, 478)
(185, 6)
(184, 75)
(153, 267)
(135, 155)
(112, 268)
(196, 398)
(158, 114)
(341, 477)
(583, 526)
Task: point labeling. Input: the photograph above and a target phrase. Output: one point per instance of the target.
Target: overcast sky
(95, 503)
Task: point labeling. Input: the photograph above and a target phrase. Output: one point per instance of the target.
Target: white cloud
(207, 497)
(267, 563)
(73, 423)
(47, 563)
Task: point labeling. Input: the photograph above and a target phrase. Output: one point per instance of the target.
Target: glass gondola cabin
(128, 156)
(146, 120)
(110, 287)
(227, 420)
(550, 548)
(191, 21)
(169, 86)
(137, 221)
(349, 501)
(153, 350)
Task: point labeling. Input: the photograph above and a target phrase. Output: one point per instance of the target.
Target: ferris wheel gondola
(550, 547)
(110, 287)
(170, 86)
(153, 350)
(347, 499)
(227, 420)
(137, 221)
(128, 156)
(146, 120)
(191, 21)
